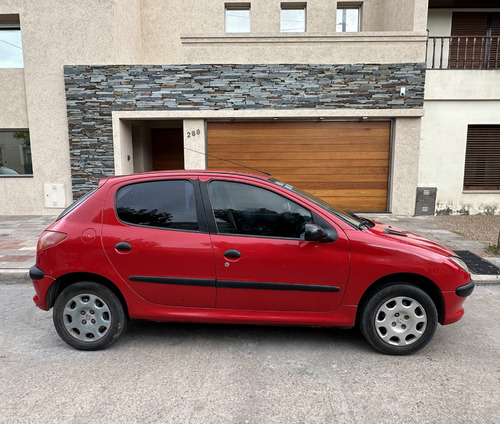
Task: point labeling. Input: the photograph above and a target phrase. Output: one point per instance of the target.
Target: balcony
(463, 53)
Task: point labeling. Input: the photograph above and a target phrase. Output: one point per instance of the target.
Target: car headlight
(459, 262)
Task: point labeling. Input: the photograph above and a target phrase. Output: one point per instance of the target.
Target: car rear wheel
(89, 316)
(399, 319)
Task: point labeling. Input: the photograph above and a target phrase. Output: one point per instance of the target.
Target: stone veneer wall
(93, 92)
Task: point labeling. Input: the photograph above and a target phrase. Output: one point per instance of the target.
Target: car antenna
(228, 161)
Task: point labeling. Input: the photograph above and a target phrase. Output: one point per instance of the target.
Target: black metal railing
(463, 53)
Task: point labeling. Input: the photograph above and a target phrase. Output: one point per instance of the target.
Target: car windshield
(352, 220)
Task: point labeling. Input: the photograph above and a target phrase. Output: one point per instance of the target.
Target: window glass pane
(11, 51)
(15, 153)
(318, 202)
(293, 20)
(348, 19)
(163, 204)
(248, 210)
(237, 19)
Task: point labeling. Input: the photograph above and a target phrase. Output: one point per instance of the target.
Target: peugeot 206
(226, 247)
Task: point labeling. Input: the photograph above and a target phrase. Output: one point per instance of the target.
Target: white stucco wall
(454, 100)
(405, 159)
(389, 34)
(439, 22)
(13, 109)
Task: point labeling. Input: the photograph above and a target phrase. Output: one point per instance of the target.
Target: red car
(224, 247)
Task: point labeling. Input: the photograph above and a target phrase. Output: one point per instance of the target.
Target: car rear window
(160, 204)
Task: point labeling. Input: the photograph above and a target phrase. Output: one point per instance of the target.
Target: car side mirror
(314, 232)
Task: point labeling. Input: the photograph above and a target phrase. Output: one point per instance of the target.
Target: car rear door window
(249, 210)
(161, 204)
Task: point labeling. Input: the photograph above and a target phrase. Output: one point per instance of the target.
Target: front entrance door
(167, 149)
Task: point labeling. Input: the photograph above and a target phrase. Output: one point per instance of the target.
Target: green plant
(25, 136)
(493, 249)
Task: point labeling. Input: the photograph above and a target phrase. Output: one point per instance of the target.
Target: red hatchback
(221, 247)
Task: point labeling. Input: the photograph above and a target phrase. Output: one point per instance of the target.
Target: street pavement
(199, 373)
(19, 235)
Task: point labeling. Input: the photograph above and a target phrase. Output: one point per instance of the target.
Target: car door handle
(232, 253)
(124, 246)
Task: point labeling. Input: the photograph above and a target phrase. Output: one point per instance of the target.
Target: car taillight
(49, 239)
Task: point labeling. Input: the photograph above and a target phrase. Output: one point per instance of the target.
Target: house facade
(326, 95)
(460, 145)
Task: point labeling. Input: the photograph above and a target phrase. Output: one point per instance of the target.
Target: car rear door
(261, 261)
(154, 234)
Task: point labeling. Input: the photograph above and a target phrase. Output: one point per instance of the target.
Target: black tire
(399, 319)
(89, 316)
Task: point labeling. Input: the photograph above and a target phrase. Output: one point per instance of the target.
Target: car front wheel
(399, 319)
(89, 316)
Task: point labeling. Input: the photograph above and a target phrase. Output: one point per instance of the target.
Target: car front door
(153, 236)
(262, 260)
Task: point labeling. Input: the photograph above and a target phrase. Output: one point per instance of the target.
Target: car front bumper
(453, 302)
(465, 290)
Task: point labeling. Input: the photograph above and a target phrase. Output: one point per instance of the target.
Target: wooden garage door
(344, 163)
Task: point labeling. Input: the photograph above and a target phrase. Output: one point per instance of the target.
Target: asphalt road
(180, 373)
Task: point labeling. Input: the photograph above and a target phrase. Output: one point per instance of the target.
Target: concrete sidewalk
(19, 235)
(18, 239)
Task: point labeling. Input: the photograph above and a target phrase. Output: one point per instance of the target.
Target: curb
(14, 276)
(486, 279)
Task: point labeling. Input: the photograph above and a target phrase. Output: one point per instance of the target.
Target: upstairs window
(237, 17)
(293, 17)
(11, 51)
(348, 19)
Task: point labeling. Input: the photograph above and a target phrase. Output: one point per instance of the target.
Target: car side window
(248, 210)
(162, 204)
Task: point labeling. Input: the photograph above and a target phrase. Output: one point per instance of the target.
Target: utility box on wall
(426, 201)
(55, 195)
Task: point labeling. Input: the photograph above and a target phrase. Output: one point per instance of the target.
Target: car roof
(184, 173)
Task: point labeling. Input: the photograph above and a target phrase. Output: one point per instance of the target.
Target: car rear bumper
(41, 283)
(36, 273)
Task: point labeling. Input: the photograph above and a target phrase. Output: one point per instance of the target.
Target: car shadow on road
(227, 335)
